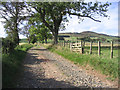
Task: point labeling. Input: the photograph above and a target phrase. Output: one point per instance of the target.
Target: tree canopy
(13, 15)
(54, 14)
(48, 16)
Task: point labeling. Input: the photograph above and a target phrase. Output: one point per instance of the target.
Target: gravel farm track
(45, 69)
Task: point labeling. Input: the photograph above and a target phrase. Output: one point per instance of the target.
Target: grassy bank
(103, 63)
(11, 65)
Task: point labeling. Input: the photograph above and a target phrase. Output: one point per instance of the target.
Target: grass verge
(11, 65)
(103, 64)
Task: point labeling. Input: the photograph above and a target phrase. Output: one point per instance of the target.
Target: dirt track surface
(44, 69)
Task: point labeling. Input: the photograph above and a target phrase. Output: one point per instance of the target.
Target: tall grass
(11, 65)
(103, 63)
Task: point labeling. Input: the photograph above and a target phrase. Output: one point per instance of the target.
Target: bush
(33, 39)
(24, 47)
(7, 45)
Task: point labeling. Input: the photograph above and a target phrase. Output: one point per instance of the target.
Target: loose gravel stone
(44, 69)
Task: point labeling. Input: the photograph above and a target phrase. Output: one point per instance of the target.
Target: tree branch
(60, 20)
(84, 16)
(4, 17)
(43, 19)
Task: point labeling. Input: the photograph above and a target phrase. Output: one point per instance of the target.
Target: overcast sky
(107, 26)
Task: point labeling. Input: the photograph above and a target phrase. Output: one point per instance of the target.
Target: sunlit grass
(102, 63)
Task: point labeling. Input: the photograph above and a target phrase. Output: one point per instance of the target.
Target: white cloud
(102, 0)
(2, 32)
(107, 26)
(21, 36)
(93, 28)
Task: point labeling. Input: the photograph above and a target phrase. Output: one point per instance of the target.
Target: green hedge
(11, 65)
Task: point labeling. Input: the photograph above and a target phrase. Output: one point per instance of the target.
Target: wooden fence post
(84, 43)
(91, 47)
(71, 46)
(62, 43)
(111, 56)
(99, 48)
(82, 49)
(67, 44)
(77, 42)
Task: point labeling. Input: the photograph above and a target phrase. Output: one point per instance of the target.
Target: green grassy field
(24, 40)
(90, 34)
(101, 63)
(11, 65)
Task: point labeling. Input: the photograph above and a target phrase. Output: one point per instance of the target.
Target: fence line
(79, 47)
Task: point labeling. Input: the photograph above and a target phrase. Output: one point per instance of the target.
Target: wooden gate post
(111, 56)
(99, 49)
(91, 47)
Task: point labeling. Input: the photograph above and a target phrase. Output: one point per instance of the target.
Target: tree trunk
(29, 40)
(16, 29)
(55, 37)
(46, 40)
(16, 37)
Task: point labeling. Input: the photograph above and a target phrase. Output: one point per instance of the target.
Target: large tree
(34, 28)
(13, 13)
(42, 33)
(25, 31)
(40, 30)
(54, 14)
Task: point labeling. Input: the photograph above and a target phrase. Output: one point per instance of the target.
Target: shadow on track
(36, 78)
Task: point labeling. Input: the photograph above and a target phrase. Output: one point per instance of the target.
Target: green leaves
(53, 14)
(38, 30)
(50, 15)
(12, 13)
